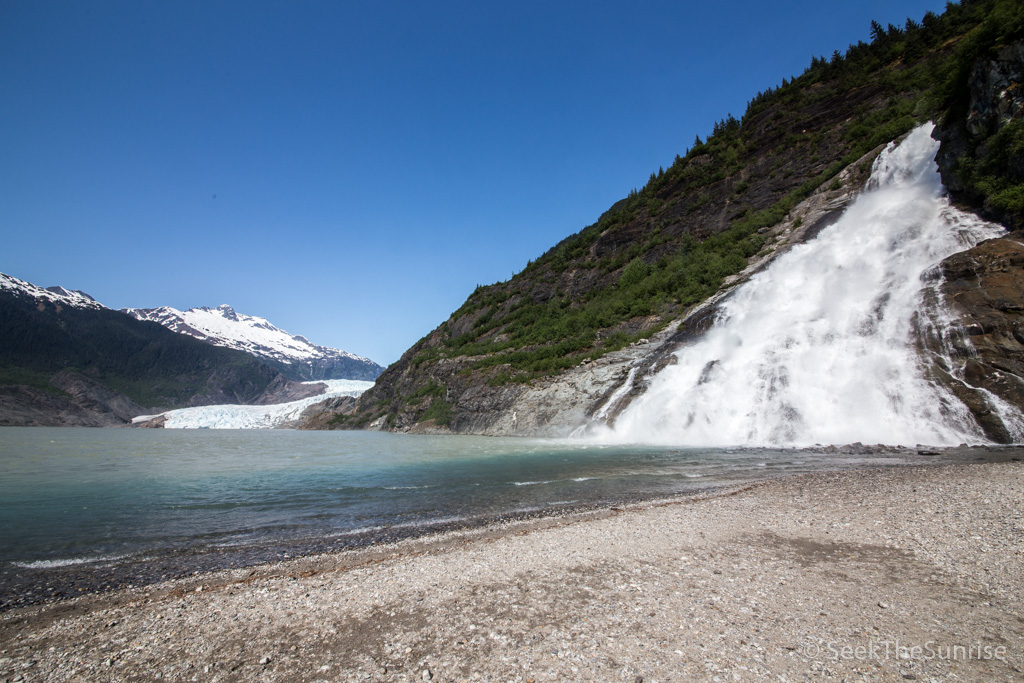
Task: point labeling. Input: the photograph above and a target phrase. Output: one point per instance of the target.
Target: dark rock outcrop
(320, 415)
(985, 288)
(281, 390)
(996, 91)
(979, 153)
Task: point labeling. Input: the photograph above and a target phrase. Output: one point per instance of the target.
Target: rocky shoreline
(912, 573)
(27, 587)
(22, 586)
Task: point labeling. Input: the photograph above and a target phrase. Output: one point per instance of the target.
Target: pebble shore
(895, 574)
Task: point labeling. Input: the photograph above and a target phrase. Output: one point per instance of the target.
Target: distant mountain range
(55, 295)
(293, 355)
(66, 359)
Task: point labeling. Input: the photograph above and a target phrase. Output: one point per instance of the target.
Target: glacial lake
(86, 500)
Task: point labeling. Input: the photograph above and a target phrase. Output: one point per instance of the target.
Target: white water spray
(820, 346)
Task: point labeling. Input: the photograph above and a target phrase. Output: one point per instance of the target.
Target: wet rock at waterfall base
(985, 288)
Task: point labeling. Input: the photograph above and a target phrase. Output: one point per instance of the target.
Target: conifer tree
(877, 32)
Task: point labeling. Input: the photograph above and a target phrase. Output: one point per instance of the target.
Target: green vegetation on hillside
(992, 177)
(29, 378)
(539, 337)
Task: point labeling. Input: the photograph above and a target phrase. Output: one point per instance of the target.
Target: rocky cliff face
(996, 91)
(320, 415)
(982, 155)
(985, 288)
(980, 160)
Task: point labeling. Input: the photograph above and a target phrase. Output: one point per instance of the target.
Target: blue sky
(352, 170)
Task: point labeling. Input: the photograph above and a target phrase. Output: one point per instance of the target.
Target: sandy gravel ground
(900, 574)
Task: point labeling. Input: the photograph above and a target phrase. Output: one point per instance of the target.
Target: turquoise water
(75, 496)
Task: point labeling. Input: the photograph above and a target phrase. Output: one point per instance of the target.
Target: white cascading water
(819, 348)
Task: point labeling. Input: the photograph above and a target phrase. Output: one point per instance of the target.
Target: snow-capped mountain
(294, 355)
(55, 295)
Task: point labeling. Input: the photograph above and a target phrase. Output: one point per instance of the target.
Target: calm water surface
(76, 496)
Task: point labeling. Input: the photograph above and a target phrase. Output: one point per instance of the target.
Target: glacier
(230, 416)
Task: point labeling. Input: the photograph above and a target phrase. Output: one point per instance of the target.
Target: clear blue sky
(352, 170)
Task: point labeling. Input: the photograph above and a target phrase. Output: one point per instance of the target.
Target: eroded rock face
(282, 390)
(997, 95)
(319, 415)
(91, 396)
(985, 289)
(974, 143)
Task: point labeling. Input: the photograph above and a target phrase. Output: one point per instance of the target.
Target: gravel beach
(896, 574)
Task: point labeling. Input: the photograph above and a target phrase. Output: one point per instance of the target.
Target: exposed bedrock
(984, 288)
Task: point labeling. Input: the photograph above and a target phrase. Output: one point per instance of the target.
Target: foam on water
(820, 347)
(68, 562)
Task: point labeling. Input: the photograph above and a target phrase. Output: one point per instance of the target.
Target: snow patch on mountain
(222, 326)
(254, 417)
(294, 356)
(55, 295)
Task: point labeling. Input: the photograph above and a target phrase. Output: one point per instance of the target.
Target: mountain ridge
(293, 355)
(65, 359)
(56, 294)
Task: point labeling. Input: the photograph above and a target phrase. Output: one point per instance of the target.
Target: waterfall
(821, 346)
